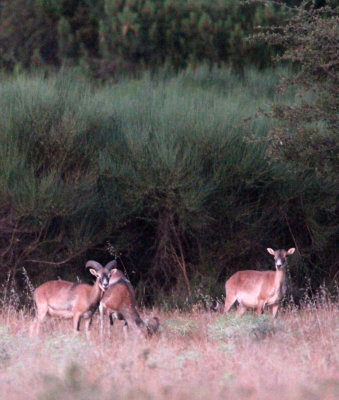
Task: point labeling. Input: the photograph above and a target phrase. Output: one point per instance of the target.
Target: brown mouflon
(257, 289)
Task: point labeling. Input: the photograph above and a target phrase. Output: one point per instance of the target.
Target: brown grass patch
(197, 355)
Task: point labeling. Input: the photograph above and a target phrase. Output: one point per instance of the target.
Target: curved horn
(112, 264)
(94, 264)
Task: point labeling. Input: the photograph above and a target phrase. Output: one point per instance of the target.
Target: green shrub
(160, 169)
(304, 137)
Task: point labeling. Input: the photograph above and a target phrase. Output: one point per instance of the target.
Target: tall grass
(197, 355)
(157, 167)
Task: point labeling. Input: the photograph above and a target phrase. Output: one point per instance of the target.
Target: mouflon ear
(291, 251)
(93, 272)
(271, 251)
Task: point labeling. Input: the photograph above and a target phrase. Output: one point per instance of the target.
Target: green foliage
(27, 38)
(305, 136)
(160, 169)
(151, 33)
(44, 33)
(47, 187)
(109, 37)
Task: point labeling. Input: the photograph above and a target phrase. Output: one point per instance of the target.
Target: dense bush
(158, 172)
(112, 36)
(305, 134)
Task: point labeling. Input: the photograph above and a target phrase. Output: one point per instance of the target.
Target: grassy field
(196, 355)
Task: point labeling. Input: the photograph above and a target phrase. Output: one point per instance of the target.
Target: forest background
(182, 137)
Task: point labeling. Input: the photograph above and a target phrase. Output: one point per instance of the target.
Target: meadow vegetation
(196, 355)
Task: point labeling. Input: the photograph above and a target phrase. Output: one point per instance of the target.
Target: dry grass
(197, 355)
